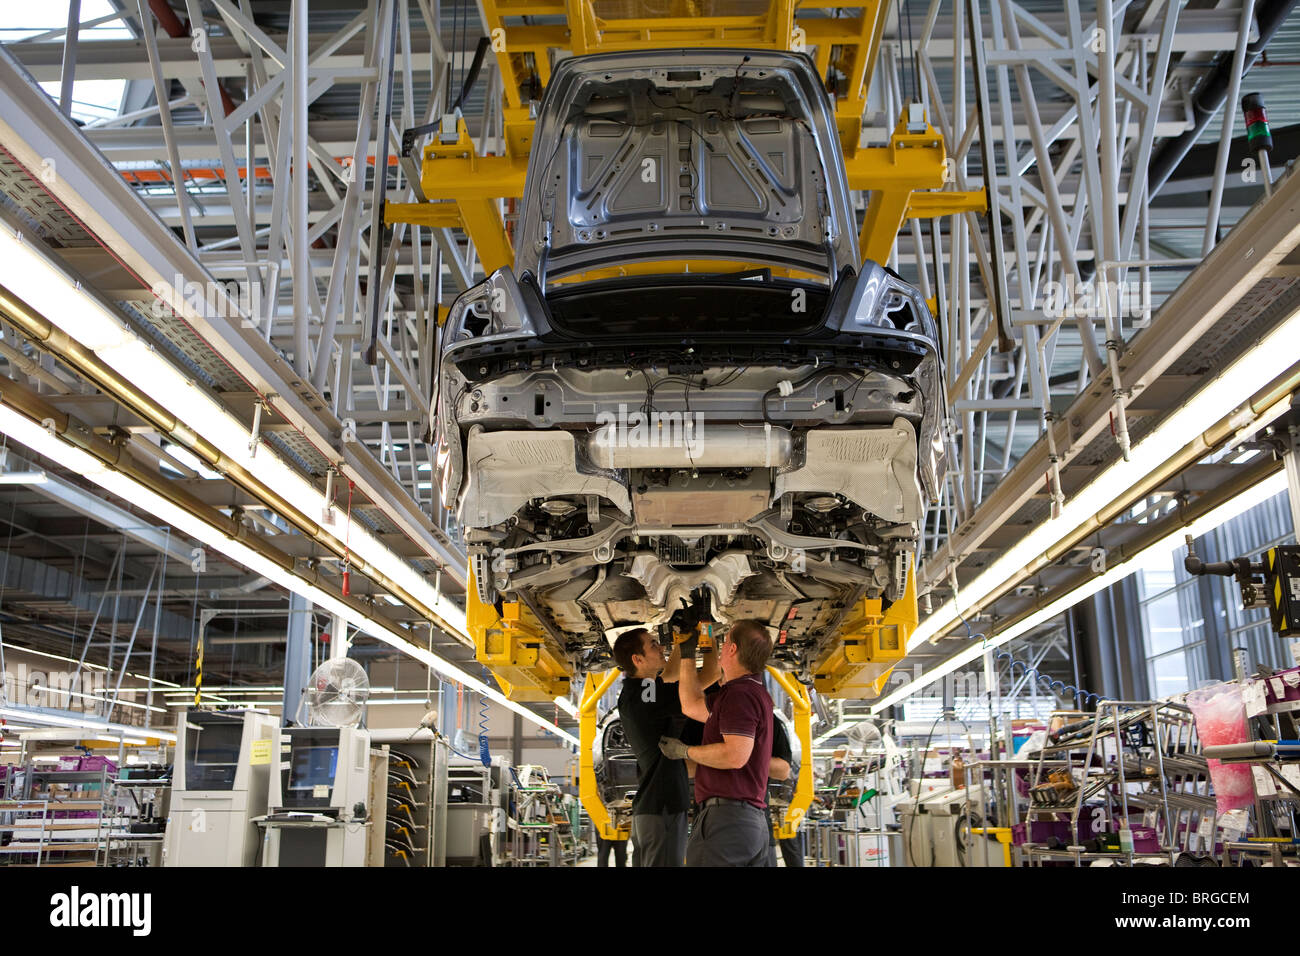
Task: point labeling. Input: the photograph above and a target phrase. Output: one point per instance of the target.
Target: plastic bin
(1221, 719)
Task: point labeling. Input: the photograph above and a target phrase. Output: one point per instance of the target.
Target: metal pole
(94, 621)
(338, 638)
(377, 290)
(348, 232)
(135, 629)
(153, 646)
(297, 657)
(1108, 201)
(1229, 120)
(1292, 464)
(165, 118)
(250, 166)
(70, 56)
(298, 65)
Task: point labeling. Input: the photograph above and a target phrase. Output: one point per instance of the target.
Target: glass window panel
(1169, 674)
(1169, 622)
(1155, 580)
(1198, 668)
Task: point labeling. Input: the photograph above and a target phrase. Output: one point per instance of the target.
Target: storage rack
(1275, 815)
(126, 847)
(541, 829)
(836, 835)
(474, 815)
(415, 826)
(37, 834)
(1132, 756)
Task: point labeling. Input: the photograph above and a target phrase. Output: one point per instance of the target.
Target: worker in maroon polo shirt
(732, 825)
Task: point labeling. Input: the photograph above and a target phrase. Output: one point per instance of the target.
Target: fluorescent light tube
(39, 440)
(88, 724)
(1266, 360)
(1274, 484)
(42, 285)
(23, 478)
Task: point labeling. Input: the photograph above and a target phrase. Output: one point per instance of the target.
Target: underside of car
(766, 427)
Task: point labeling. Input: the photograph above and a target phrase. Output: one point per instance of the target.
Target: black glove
(672, 749)
(700, 598)
(686, 630)
(686, 619)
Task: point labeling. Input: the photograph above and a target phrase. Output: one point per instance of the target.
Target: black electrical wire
(911, 43)
(816, 374)
(916, 798)
(472, 76)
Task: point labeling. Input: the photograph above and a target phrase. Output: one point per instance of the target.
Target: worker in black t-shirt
(649, 709)
(784, 771)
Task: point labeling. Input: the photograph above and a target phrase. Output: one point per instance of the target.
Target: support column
(297, 657)
(339, 642)
(301, 264)
(70, 57)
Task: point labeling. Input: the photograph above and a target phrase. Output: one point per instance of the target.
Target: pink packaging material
(69, 763)
(97, 763)
(1145, 840)
(1221, 719)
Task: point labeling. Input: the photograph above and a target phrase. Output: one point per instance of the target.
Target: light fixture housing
(1222, 397)
(29, 433)
(30, 275)
(1274, 484)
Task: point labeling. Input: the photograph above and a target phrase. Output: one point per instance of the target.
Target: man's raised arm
(688, 683)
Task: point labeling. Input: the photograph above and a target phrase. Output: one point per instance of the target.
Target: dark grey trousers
(729, 834)
(792, 850)
(659, 839)
(602, 852)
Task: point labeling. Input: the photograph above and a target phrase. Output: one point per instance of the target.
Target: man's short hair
(629, 643)
(753, 644)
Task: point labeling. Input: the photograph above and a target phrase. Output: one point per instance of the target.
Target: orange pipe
(213, 172)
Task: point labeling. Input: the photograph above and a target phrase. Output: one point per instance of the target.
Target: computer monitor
(313, 767)
(212, 750)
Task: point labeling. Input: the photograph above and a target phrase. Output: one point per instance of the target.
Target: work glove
(672, 748)
(700, 598)
(686, 619)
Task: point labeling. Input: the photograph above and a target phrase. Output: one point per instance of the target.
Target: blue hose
(1081, 695)
(483, 753)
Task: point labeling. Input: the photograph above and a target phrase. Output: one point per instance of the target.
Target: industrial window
(1173, 619)
(1173, 627)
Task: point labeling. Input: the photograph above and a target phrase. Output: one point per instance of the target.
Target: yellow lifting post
(515, 647)
(911, 161)
(456, 172)
(588, 792)
(803, 788)
(584, 28)
(871, 642)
